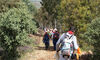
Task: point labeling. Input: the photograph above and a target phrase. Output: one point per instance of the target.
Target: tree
(74, 13)
(31, 7)
(7, 4)
(15, 25)
(49, 11)
(92, 37)
(78, 13)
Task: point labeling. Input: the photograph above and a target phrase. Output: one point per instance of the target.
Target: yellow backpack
(78, 53)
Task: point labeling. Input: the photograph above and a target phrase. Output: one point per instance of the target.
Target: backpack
(46, 38)
(56, 36)
(67, 47)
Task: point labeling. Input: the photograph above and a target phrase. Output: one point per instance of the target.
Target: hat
(70, 32)
(55, 29)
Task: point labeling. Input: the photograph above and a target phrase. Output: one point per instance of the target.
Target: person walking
(55, 38)
(67, 44)
(46, 40)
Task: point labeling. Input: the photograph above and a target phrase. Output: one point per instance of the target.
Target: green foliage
(15, 25)
(92, 36)
(5, 5)
(48, 12)
(50, 5)
(78, 13)
(69, 12)
(31, 7)
(74, 13)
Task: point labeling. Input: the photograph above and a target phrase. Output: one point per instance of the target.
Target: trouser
(46, 45)
(54, 43)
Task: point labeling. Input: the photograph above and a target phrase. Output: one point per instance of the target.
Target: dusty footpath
(40, 53)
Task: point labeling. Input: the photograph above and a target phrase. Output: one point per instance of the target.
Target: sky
(36, 0)
(36, 3)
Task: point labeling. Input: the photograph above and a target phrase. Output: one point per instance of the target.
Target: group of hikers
(66, 46)
(50, 34)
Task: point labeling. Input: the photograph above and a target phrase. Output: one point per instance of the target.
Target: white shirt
(74, 39)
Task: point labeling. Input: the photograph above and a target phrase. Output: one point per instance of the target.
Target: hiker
(55, 38)
(46, 40)
(50, 33)
(67, 44)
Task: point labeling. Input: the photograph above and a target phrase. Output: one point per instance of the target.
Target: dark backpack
(46, 38)
(56, 35)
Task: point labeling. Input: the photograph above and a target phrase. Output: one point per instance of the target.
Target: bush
(93, 36)
(15, 25)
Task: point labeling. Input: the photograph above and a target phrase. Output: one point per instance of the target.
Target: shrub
(93, 36)
(15, 25)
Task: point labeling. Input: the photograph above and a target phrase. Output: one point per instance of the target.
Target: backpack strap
(71, 36)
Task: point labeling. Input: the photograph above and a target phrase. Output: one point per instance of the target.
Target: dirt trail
(41, 54)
